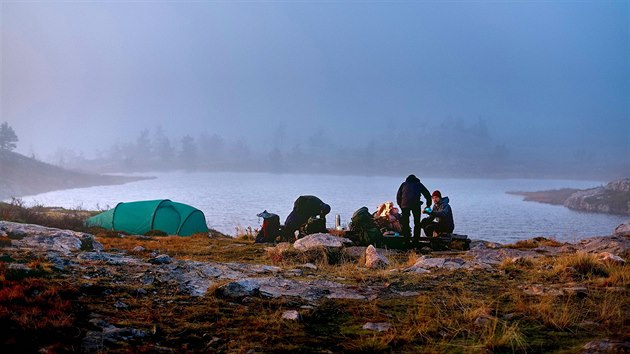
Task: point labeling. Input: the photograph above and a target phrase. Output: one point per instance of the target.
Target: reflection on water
(481, 207)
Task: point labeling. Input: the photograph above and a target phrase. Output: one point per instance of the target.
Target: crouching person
(440, 218)
(308, 216)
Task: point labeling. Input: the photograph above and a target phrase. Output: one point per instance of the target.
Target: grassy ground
(452, 311)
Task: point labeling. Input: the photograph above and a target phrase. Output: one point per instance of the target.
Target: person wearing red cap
(440, 219)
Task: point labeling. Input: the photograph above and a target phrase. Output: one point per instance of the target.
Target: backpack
(270, 229)
(315, 225)
(363, 229)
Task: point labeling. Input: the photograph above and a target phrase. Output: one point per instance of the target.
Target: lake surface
(481, 208)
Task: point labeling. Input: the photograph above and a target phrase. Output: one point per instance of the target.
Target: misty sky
(554, 76)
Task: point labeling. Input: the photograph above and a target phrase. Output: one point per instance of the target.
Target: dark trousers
(404, 222)
(429, 226)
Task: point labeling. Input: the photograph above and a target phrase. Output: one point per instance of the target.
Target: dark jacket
(304, 207)
(410, 191)
(443, 215)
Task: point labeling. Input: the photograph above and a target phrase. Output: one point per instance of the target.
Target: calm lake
(481, 208)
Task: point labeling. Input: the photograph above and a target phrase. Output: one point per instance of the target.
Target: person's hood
(412, 178)
(445, 200)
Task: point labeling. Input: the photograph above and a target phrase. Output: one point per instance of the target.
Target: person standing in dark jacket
(408, 198)
(305, 207)
(440, 218)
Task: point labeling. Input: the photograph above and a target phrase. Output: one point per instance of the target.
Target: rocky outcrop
(622, 230)
(614, 198)
(49, 239)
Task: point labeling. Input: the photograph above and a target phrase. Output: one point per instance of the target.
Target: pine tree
(7, 137)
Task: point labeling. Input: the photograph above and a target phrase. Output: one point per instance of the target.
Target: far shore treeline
(476, 154)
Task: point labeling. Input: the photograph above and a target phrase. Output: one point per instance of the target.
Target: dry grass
(580, 266)
(67, 219)
(534, 243)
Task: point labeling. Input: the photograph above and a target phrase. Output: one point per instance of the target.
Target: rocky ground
(118, 293)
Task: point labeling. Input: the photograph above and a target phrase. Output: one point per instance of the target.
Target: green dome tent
(140, 217)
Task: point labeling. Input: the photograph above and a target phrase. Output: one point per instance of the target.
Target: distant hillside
(613, 198)
(20, 176)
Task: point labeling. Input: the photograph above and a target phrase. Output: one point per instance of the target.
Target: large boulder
(320, 240)
(49, 239)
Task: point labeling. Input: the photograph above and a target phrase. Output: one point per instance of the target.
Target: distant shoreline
(554, 197)
(91, 181)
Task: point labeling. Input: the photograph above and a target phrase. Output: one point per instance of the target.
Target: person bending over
(304, 208)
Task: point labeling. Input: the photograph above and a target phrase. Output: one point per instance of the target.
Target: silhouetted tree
(162, 147)
(212, 149)
(8, 138)
(189, 151)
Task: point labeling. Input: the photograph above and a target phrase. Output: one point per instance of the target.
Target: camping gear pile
(381, 229)
(387, 218)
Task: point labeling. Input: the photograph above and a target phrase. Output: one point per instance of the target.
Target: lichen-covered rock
(49, 239)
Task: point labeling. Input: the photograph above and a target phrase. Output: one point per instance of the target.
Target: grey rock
(49, 239)
(611, 244)
(240, 288)
(622, 230)
(109, 258)
(309, 266)
(378, 326)
(606, 346)
(320, 240)
(291, 315)
(611, 258)
(58, 261)
(373, 259)
(120, 305)
(161, 259)
(274, 287)
(295, 272)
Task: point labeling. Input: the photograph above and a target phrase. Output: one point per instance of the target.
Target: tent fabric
(142, 216)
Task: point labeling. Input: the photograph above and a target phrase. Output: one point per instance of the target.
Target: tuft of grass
(580, 266)
(534, 243)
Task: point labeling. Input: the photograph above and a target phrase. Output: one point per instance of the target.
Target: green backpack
(363, 229)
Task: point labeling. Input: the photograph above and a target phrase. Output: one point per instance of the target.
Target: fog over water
(451, 88)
